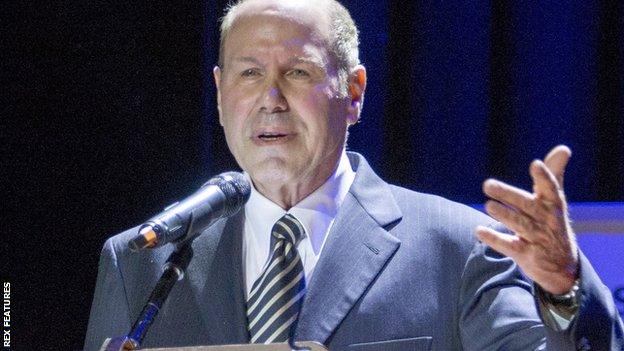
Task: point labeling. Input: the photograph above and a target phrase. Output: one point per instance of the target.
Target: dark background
(108, 115)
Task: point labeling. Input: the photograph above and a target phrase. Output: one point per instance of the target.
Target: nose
(273, 100)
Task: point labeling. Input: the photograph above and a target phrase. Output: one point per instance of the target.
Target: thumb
(557, 160)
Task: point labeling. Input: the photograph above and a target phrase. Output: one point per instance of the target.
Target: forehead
(275, 27)
(311, 13)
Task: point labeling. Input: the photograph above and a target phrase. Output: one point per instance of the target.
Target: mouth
(272, 137)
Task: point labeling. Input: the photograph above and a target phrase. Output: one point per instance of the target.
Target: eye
(298, 73)
(250, 72)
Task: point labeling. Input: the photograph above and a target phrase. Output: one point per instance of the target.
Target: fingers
(545, 185)
(518, 222)
(514, 197)
(508, 245)
(557, 160)
(506, 193)
(543, 244)
(547, 202)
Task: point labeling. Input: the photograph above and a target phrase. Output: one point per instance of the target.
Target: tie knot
(288, 228)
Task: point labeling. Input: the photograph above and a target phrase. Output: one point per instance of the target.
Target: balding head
(333, 19)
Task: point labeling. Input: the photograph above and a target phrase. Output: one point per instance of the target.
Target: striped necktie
(276, 296)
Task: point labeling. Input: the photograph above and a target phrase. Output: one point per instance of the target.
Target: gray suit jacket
(400, 271)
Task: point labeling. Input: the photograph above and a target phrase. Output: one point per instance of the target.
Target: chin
(272, 172)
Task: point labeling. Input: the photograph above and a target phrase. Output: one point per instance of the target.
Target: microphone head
(236, 189)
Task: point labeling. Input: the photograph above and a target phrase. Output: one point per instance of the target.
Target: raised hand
(544, 245)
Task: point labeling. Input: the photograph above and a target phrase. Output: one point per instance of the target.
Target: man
(358, 264)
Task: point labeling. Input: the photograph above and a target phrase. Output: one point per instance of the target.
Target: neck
(289, 193)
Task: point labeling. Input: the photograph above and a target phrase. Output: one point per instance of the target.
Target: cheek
(236, 101)
(319, 99)
(316, 104)
(235, 108)
(330, 108)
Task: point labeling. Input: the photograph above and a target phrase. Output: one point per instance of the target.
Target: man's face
(279, 97)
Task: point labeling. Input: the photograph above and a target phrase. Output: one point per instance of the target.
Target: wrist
(566, 304)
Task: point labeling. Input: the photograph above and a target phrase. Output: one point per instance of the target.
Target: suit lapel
(357, 249)
(216, 278)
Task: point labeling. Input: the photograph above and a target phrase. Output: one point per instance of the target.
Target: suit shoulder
(435, 204)
(436, 213)
(441, 227)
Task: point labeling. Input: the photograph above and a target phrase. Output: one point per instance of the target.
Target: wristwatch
(568, 300)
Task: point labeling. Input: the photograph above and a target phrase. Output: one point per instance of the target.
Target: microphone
(220, 197)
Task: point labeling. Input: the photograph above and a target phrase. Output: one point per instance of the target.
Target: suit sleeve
(109, 311)
(499, 311)
(597, 325)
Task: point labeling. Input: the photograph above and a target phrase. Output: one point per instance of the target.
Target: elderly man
(327, 251)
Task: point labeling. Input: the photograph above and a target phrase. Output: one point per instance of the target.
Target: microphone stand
(173, 271)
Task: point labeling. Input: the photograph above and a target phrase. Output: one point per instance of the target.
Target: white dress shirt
(316, 213)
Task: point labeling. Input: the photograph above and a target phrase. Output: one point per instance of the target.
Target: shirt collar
(315, 212)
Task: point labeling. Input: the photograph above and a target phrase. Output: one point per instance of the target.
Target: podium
(313, 346)
(306, 345)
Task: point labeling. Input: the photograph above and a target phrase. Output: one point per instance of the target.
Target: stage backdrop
(462, 90)
(113, 117)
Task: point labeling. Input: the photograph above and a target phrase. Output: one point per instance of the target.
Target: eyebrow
(295, 60)
(307, 60)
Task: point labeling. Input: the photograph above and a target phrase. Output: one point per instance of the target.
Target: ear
(357, 85)
(216, 72)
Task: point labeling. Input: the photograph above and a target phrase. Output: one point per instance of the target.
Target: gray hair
(343, 41)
